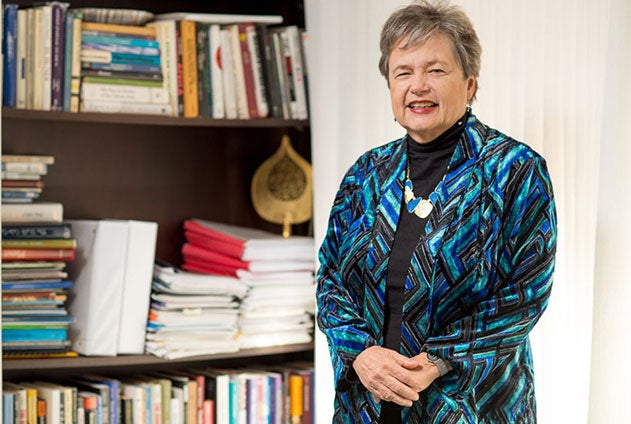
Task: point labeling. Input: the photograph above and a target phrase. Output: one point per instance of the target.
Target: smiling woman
(427, 312)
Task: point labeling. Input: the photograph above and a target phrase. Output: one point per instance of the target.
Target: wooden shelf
(137, 119)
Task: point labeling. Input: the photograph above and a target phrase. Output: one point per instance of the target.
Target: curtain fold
(547, 78)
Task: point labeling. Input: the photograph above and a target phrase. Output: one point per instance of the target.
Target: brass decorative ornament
(282, 188)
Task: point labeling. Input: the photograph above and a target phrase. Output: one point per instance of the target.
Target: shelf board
(137, 119)
(142, 360)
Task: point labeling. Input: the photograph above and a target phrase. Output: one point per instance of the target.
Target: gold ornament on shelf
(282, 188)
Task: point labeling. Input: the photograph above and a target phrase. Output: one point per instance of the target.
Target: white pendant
(423, 209)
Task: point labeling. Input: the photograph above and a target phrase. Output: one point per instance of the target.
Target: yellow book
(295, 399)
(40, 243)
(121, 29)
(190, 99)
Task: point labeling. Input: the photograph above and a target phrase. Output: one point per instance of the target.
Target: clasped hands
(392, 377)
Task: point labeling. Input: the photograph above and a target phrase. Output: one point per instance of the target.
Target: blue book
(146, 51)
(67, 83)
(9, 51)
(8, 401)
(123, 41)
(31, 335)
(135, 59)
(34, 285)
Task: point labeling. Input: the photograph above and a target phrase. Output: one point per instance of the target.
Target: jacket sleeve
(499, 324)
(340, 304)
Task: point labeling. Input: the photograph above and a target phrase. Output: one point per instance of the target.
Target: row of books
(183, 64)
(279, 394)
(23, 177)
(35, 283)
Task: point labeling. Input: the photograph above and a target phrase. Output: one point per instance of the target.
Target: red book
(248, 70)
(209, 412)
(9, 254)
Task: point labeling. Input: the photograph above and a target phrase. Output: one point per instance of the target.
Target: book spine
(189, 69)
(165, 35)
(88, 38)
(125, 107)
(289, 72)
(228, 76)
(58, 12)
(203, 70)
(180, 83)
(283, 84)
(75, 73)
(105, 56)
(260, 90)
(117, 48)
(121, 81)
(295, 49)
(239, 76)
(30, 57)
(67, 82)
(216, 77)
(119, 29)
(248, 71)
(40, 244)
(32, 212)
(122, 74)
(40, 168)
(124, 93)
(9, 52)
(47, 159)
(21, 46)
(121, 67)
(270, 73)
(9, 254)
(47, 58)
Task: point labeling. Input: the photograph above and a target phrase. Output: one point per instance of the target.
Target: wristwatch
(439, 362)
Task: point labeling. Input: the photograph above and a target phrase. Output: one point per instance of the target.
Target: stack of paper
(193, 314)
(278, 271)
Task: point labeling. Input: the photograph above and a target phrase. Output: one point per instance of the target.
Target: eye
(402, 74)
(436, 71)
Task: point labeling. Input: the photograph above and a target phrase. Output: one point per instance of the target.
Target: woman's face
(428, 89)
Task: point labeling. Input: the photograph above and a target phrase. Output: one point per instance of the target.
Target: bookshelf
(160, 169)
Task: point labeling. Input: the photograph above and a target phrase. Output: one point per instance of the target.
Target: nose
(418, 83)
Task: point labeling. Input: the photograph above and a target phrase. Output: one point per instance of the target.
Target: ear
(471, 84)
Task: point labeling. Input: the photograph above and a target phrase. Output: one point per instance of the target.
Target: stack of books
(36, 245)
(23, 177)
(121, 70)
(192, 314)
(280, 303)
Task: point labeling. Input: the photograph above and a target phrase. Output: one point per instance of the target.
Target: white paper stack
(193, 314)
(278, 308)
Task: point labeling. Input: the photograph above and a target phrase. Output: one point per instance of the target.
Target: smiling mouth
(422, 105)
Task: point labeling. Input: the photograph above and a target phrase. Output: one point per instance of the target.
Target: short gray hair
(424, 18)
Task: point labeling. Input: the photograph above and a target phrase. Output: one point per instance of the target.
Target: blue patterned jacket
(478, 281)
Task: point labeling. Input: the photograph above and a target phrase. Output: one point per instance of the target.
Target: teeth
(422, 104)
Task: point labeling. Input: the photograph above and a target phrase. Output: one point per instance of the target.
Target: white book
(216, 77)
(295, 47)
(106, 106)
(98, 272)
(47, 59)
(228, 78)
(38, 59)
(239, 76)
(32, 212)
(220, 18)
(21, 59)
(124, 93)
(166, 36)
(138, 400)
(257, 70)
(141, 247)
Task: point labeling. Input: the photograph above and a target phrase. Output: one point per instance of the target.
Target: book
(203, 70)
(46, 50)
(228, 75)
(119, 48)
(190, 98)
(239, 75)
(21, 49)
(117, 40)
(30, 58)
(125, 93)
(118, 29)
(106, 106)
(9, 54)
(216, 77)
(75, 70)
(219, 18)
(68, 53)
(39, 244)
(106, 56)
(115, 80)
(248, 71)
(45, 159)
(260, 90)
(98, 272)
(32, 212)
(36, 231)
(140, 256)
(58, 16)
(165, 35)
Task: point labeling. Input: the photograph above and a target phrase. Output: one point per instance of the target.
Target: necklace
(417, 205)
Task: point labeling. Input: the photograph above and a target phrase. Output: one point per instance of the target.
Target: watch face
(432, 358)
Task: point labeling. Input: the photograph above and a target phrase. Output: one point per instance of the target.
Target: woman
(439, 253)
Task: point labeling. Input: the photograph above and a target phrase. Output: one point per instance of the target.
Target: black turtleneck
(428, 163)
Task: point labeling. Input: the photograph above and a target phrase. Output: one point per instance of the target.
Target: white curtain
(554, 75)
